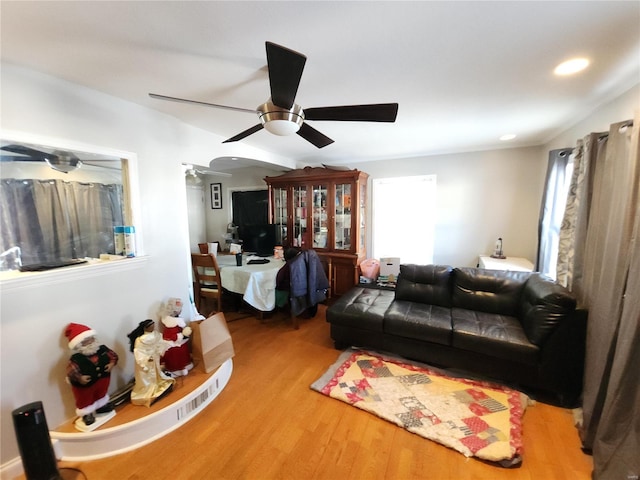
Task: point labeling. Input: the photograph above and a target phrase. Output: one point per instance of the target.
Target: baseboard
(12, 469)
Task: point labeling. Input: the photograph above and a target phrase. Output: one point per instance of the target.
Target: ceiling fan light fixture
(64, 164)
(192, 177)
(282, 127)
(280, 121)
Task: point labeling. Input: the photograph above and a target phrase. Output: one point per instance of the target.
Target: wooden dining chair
(206, 279)
(204, 247)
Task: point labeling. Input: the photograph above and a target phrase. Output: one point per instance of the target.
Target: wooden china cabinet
(323, 209)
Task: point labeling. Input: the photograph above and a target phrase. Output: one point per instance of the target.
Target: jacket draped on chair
(309, 283)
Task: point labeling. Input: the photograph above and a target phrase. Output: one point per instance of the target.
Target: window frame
(131, 198)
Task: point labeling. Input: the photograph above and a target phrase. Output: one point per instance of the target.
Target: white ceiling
(464, 73)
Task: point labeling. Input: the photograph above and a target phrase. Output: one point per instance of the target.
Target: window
(58, 202)
(404, 213)
(554, 202)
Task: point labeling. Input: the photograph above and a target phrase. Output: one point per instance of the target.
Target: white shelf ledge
(516, 264)
(106, 442)
(15, 280)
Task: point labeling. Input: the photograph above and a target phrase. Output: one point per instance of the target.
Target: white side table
(517, 264)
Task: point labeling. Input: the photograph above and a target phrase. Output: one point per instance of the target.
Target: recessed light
(508, 136)
(572, 66)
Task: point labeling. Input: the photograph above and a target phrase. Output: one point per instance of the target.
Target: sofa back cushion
(544, 305)
(490, 291)
(430, 284)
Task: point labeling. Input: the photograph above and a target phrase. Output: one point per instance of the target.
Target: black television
(258, 239)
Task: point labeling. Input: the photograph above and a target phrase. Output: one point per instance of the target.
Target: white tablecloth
(256, 283)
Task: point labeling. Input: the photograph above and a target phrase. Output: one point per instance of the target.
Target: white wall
(196, 203)
(619, 109)
(481, 196)
(34, 351)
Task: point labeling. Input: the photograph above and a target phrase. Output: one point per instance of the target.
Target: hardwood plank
(268, 424)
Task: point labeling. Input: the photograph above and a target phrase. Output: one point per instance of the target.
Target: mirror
(59, 202)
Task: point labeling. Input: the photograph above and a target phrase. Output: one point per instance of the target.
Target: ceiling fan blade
(285, 71)
(197, 102)
(32, 153)
(312, 135)
(377, 112)
(18, 158)
(246, 133)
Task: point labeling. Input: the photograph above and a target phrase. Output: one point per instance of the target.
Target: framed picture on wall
(216, 195)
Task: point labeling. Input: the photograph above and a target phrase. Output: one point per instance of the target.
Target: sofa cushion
(419, 321)
(495, 335)
(361, 308)
(544, 305)
(491, 291)
(429, 284)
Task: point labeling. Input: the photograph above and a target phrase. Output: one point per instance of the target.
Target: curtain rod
(624, 124)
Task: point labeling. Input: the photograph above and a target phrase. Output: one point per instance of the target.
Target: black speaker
(34, 443)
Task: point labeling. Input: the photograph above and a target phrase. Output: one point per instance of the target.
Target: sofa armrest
(544, 306)
(562, 357)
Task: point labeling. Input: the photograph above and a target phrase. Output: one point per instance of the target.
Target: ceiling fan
(59, 160)
(281, 116)
(195, 170)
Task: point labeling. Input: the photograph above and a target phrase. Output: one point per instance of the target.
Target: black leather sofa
(519, 328)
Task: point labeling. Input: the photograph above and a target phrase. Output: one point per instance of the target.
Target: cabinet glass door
(320, 221)
(299, 216)
(342, 240)
(280, 215)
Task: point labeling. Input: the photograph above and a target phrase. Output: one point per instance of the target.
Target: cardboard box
(211, 342)
(390, 268)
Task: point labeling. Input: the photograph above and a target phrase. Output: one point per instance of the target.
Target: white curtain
(606, 225)
(552, 209)
(53, 219)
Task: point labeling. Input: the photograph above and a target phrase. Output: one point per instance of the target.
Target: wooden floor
(268, 424)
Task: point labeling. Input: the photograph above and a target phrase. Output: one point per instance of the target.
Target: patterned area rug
(475, 418)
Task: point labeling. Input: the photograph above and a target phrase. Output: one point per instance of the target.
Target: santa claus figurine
(89, 373)
(176, 360)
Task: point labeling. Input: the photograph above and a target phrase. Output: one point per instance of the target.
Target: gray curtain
(54, 219)
(551, 210)
(608, 286)
(573, 233)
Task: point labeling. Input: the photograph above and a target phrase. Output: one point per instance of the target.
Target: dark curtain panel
(552, 209)
(250, 208)
(609, 289)
(50, 220)
(17, 201)
(616, 448)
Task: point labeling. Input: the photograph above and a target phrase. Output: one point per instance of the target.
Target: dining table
(256, 282)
